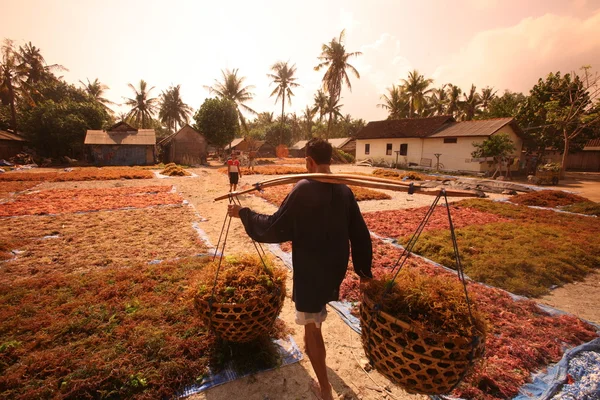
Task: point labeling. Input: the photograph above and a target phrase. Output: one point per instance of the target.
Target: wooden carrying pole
(353, 180)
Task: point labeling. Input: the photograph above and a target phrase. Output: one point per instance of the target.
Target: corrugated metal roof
(145, 137)
(593, 144)
(166, 140)
(336, 143)
(235, 142)
(484, 127)
(299, 145)
(4, 135)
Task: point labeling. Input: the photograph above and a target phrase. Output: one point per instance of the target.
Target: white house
(427, 141)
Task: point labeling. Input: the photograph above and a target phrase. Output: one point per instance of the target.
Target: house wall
(378, 150)
(350, 147)
(122, 154)
(188, 147)
(457, 156)
(10, 148)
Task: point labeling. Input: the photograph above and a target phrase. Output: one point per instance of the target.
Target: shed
(187, 146)
(122, 144)
(298, 149)
(11, 144)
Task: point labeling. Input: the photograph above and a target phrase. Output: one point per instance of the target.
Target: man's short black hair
(319, 150)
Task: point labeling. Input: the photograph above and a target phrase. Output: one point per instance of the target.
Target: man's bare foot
(316, 389)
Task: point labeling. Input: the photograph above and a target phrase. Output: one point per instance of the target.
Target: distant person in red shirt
(234, 172)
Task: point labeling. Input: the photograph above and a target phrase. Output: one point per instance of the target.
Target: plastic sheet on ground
(581, 364)
(290, 353)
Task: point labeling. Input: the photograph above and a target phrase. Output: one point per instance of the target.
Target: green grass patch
(585, 207)
(534, 251)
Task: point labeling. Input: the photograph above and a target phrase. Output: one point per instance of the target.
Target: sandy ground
(345, 356)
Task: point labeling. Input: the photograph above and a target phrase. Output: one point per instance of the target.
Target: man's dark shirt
(321, 220)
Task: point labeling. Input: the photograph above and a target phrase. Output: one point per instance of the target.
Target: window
(367, 148)
(404, 149)
(388, 149)
(450, 140)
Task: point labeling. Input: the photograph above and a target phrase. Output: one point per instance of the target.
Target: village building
(11, 144)
(436, 142)
(347, 145)
(586, 159)
(246, 145)
(122, 144)
(187, 146)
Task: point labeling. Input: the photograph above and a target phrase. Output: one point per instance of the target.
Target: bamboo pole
(348, 179)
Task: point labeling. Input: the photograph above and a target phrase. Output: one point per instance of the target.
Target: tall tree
(217, 118)
(417, 89)
(320, 105)
(503, 106)
(454, 93)
(35, 66)
(173, 111)
(283, 77)
(307, 116)
(470, 105)
(564, 107)
(143, 107)
(232, 88)
(96, 91)
(333, 109)
(487, 95)
(12, 80)
(335, 59)
(396, 102)
(439, 100)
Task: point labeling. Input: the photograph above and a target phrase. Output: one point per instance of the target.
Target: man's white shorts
(304, 318)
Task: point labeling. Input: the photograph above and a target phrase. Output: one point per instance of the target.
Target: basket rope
(257, 246)
(459, 268)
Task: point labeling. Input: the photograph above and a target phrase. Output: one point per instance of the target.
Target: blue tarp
(289, 351)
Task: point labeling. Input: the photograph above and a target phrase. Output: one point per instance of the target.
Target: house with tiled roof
(425, 142)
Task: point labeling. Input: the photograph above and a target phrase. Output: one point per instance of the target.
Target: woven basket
(243, 322)
(411, 357)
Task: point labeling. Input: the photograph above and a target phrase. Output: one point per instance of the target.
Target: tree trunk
(282, 117)
(563, 166)
(13, 110)
(328, 127)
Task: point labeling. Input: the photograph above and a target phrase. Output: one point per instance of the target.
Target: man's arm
(360, 240)
(274, 228)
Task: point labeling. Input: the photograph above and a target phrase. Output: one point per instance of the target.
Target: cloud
(516, 57)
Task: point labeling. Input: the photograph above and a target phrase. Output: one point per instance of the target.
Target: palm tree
(335, 59)
(333, 108)
(320, 104)
(439, 100)
(173, 111)
(232, 88)
(96, 91)
(143, 108)
(308, 114)
(470, 106)
(12, 80)
(34, 64)
(396, 103)
(284, 78)
(454, 93)
(416, 88)
(487, 95)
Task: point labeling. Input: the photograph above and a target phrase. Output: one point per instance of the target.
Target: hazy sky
(507, 44)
